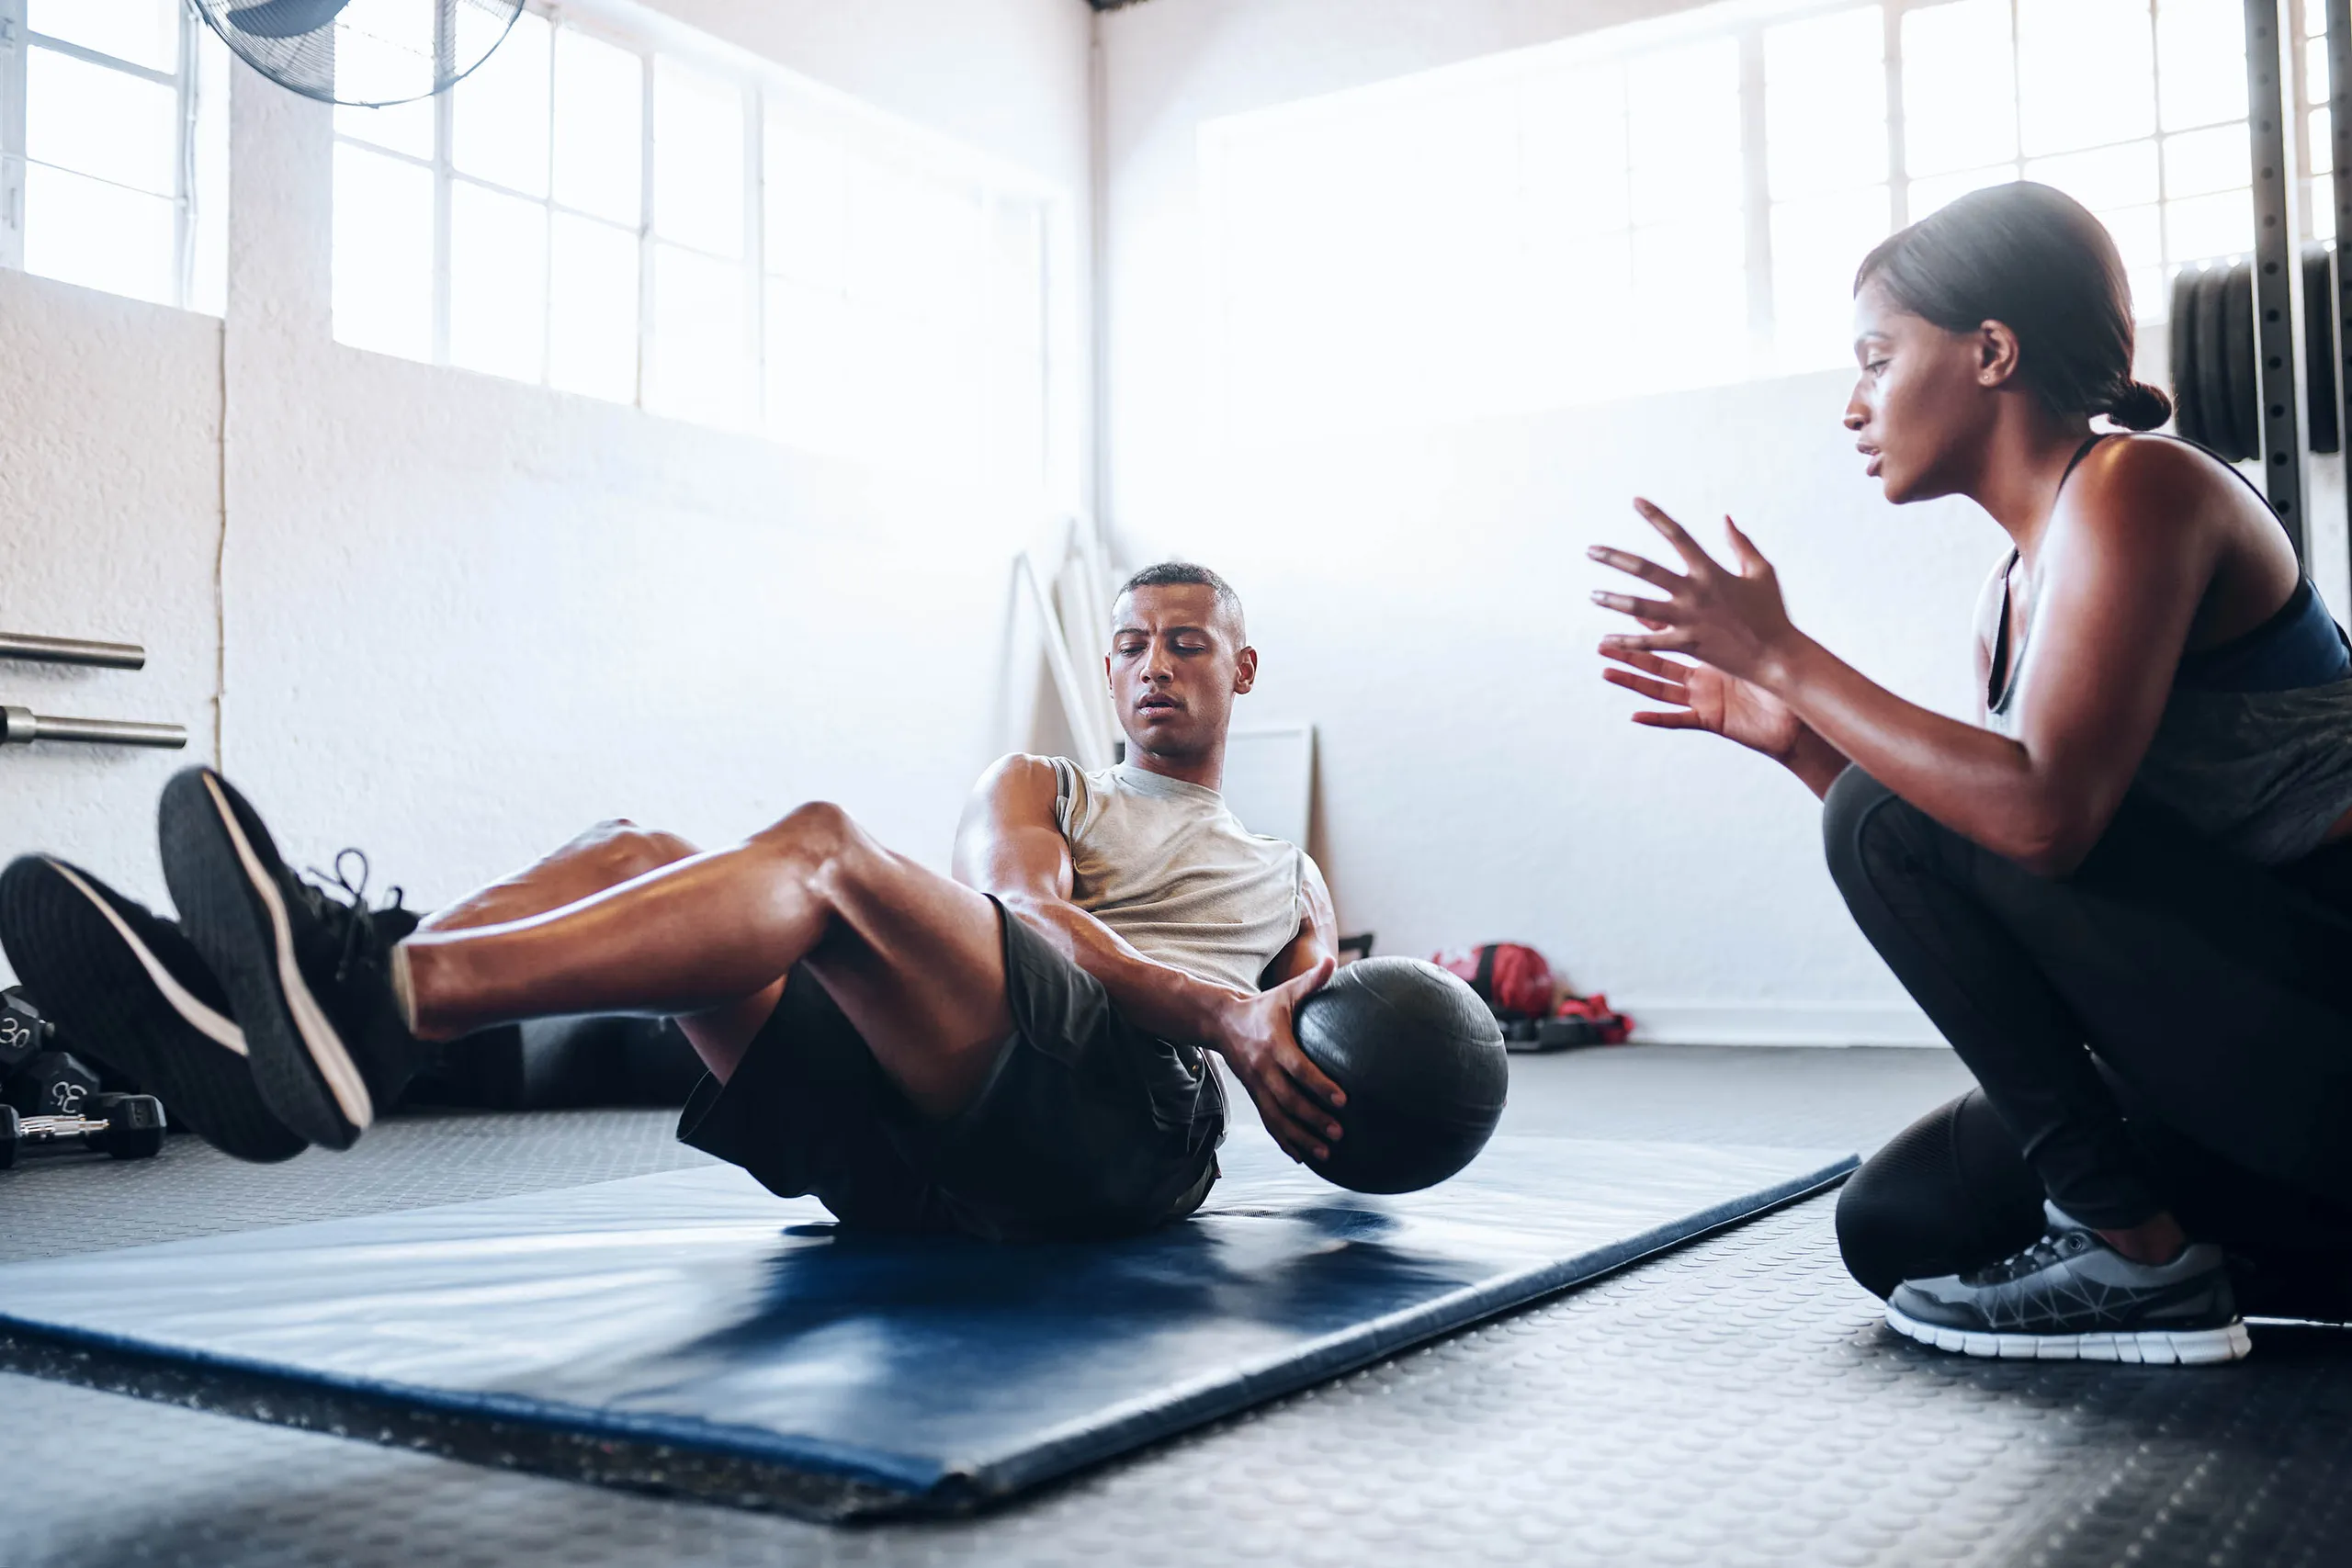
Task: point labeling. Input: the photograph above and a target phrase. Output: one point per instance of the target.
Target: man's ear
(1109, 683)
(1997, 353)
(1245, 671)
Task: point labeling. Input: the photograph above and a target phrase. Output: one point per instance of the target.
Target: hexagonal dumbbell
(23, 1033)
(54, 1083)
(121, 1126)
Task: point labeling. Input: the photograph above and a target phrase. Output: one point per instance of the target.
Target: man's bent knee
(626, 852)
(815, 832)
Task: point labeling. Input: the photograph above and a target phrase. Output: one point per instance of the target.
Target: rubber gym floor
(1735, 1402)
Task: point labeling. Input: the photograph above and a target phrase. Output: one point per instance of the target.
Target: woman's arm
(2122, 568)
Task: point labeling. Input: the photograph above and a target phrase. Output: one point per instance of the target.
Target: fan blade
(286, 18)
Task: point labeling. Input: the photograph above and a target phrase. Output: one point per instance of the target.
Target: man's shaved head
(1173, 573)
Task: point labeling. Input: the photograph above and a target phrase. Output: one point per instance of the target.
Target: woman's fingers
(1657, 691)
(1751, 560)
(1680, 719)
(1684, 545)
(1648, 642)
(1672, 668)
(1632, 565)
(1649, 611)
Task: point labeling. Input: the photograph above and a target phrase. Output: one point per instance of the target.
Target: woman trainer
(2126, 896)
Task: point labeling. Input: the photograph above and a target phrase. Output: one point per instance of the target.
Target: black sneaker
(2071, 1297)
(130, 992)
(307, 974)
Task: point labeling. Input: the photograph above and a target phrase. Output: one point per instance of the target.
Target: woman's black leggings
(2170, 1026)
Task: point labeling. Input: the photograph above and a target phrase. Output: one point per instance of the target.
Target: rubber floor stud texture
(1736, 1402)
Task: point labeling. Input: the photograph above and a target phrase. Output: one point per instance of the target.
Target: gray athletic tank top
(2265, 772)
(1166, 865)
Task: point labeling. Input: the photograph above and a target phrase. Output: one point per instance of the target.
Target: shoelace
(2040, 1256)
(350, 911)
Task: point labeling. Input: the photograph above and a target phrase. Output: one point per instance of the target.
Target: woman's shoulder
(2147, 466)
(2155, 486)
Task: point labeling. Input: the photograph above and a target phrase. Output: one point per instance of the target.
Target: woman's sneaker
(132, 993)
(2071, 1297)
(308, 973)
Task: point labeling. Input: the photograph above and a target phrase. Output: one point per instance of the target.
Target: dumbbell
(54, 1083)
(121, 1126)
(23, 1033)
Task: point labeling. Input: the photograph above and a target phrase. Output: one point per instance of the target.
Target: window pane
(384, 55)
(697, 160)
(2205, 161)
(1683, 123)
(1816, 245)
(1573, 153)
(914, 241)
(2206, 226)
(808, 205)
(99, 235)
(498, 259)
(2139, 235)
(1690, 298)
(2315, 71)
(96, 121)
(2203, 53)
(808, 366)
(383, 252)
(699, 367)
(592, 326)
(402, 128)
(1959, 88)
(1824, 103)
(1928, 195)
(2113, 176)
(2322, 141)
(599, 128)
(2086, 72)
(498, 116)
(145, 32)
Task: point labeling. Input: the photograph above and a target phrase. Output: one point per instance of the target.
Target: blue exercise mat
(690, 1333)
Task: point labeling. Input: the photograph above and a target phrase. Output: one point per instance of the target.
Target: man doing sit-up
(1016, 1052)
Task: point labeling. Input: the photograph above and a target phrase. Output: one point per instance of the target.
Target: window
(1682, 202)
(114, 148)
(633, 224)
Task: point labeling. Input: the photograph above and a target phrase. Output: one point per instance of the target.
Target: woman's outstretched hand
(1734, 627)
(1696, 697)
(1733, 621)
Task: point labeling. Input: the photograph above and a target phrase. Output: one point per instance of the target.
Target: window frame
(18, 40)
(765, 87)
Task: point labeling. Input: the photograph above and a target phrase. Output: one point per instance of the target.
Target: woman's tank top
(2254, 746)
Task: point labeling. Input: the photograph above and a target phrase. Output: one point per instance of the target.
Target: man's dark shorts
(1085, 1126)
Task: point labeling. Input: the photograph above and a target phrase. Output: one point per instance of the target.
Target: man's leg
(604, 856)
(914, 960)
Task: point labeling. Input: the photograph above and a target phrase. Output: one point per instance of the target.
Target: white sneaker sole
(2155, 1348)
(317, 1033)
(221, 1032)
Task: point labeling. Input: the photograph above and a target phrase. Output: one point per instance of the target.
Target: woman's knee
(1947, 1193)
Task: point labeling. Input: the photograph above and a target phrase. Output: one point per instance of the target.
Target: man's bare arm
(1319, 928)
(1009, 844)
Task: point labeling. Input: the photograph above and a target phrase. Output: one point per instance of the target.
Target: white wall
(457, 618)
(1420, 596)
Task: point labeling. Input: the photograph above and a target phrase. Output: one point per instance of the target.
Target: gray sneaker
(2071, 1297)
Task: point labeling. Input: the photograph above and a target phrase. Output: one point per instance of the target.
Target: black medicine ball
(1421, 1061)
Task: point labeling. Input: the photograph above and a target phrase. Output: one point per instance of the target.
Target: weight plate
(2187, 421)
(2319, 349)
(2212, 371)
(2239, 348)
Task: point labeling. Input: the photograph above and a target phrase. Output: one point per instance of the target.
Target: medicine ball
(1420, 1059)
